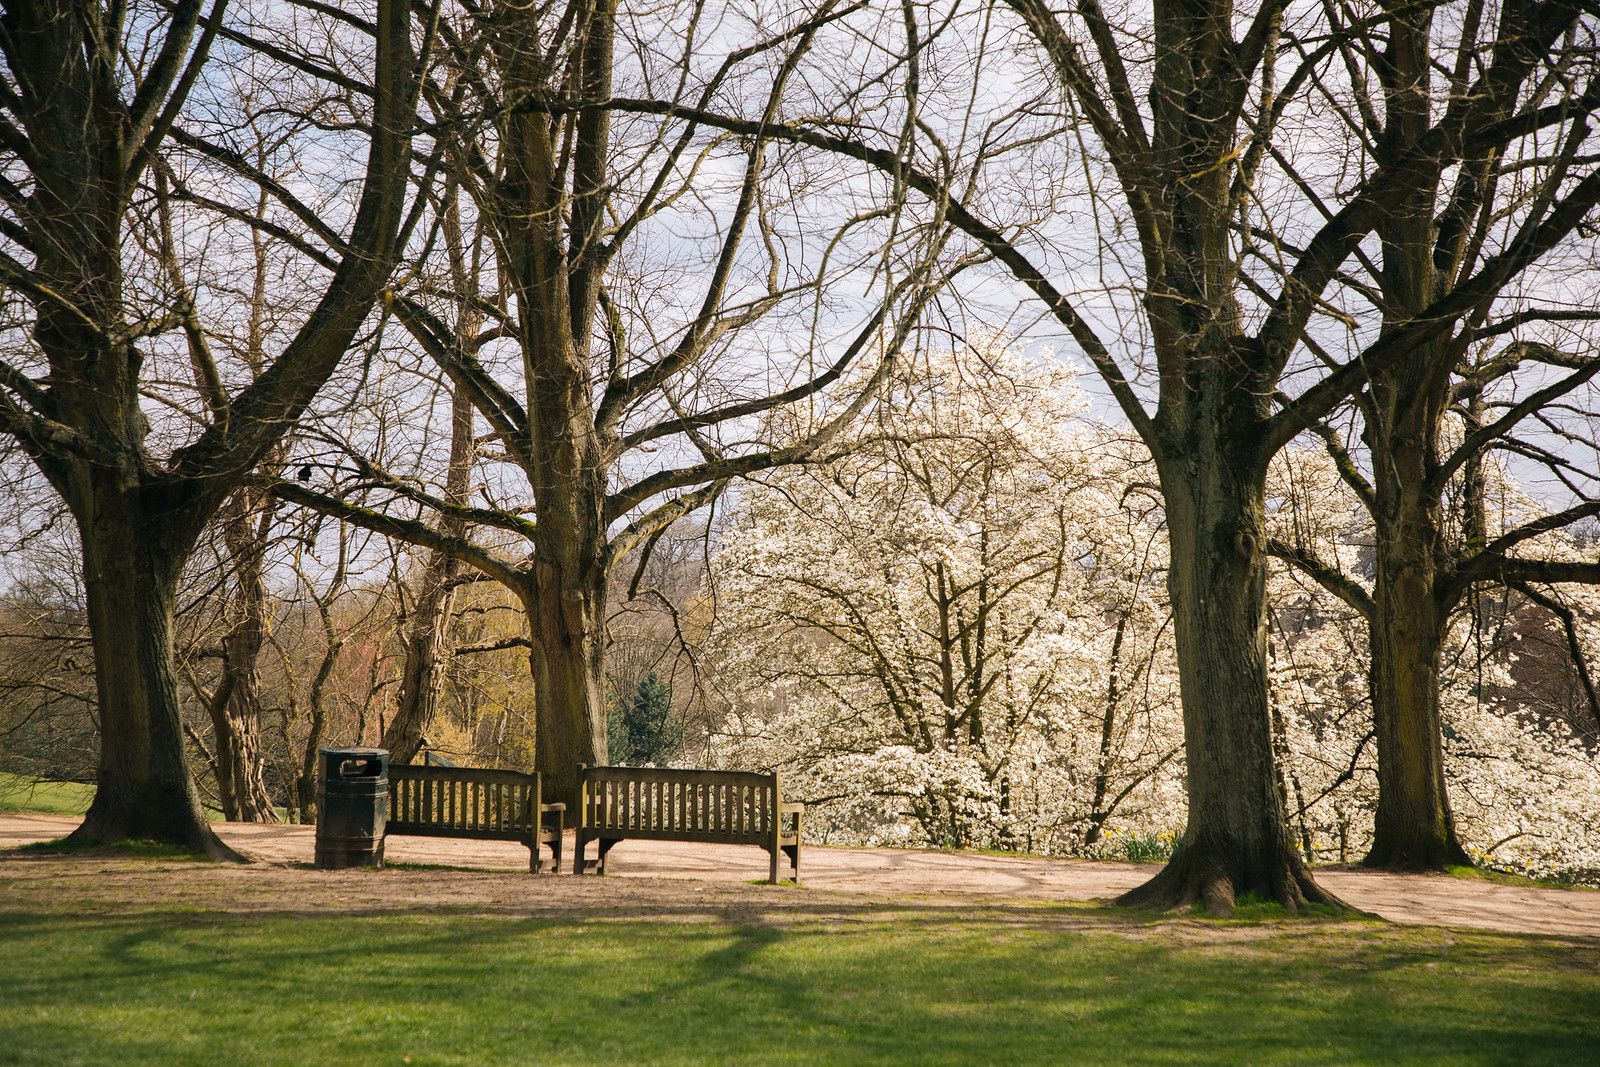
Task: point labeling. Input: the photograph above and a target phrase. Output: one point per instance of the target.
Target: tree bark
(138, 515)
(144, 789)
(1236, 841)
(567, 611)
(236, 720)
(1108, 721)
(1413, 829)
(422, 676)
(557, 283)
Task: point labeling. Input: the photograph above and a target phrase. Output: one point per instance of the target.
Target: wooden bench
(437, 801)
(663, 804)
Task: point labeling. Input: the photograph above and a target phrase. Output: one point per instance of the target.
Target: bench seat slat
(434, 830)
(707, 836)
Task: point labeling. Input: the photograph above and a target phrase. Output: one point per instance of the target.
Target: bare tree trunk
(139, 515)
(557, 288)
(422, 675)
(305, 785)
(1108, 722)
(236, 720)
(1413, 828)
(567, 612)
(144, 789)
(1236, 840)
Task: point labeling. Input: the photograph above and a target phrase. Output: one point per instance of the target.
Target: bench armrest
(793, 807)
(552, 807)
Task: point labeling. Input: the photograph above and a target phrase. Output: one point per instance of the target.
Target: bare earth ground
(684, 880)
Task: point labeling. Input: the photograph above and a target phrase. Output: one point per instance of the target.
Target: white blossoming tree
(956, 634)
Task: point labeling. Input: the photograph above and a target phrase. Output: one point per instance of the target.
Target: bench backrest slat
(724, 805)
(475, 800)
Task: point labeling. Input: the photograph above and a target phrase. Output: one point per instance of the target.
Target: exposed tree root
(1198, 875)
(1417, 853)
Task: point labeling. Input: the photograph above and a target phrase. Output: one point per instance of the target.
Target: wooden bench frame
(438, 801)
(668, 804)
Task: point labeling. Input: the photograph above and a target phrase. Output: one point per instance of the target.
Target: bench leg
(535, 864)
(551, 824)
(580, 845)
(772, 865)
(605, 846)
(793, 852)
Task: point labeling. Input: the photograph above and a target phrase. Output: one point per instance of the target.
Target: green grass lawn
(44, 797)
(174, 983)
(19, 793)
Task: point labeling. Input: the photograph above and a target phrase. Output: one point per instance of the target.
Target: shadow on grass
(941, 985)
(127, 849)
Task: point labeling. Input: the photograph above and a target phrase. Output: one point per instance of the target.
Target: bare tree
(619, 404)
(427, 621)
(1487, 371)
(90, 97)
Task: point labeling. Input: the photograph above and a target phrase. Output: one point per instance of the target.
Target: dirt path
(647, 876)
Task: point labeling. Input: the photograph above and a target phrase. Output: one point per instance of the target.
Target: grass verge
(1490, 874)
(43, 796)
(21, 793)
(132, 848)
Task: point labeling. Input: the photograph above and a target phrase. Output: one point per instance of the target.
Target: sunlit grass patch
(1490, 874)
(42, 796)
(180, 985)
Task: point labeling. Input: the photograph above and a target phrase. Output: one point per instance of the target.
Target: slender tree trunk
(1108, 722)
(144, 788)
(1236, 841)
(218, 762)
(240, 758)
(236, 720)
(306, 783)
(422, 674)
(428, 629)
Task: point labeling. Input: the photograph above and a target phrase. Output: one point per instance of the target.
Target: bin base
(339, 855)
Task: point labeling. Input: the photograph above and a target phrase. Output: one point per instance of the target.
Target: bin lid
(354, 762)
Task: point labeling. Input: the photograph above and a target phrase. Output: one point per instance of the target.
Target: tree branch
(1330, 578)
(410, 531)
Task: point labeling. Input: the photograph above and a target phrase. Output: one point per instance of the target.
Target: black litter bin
(352, 806)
